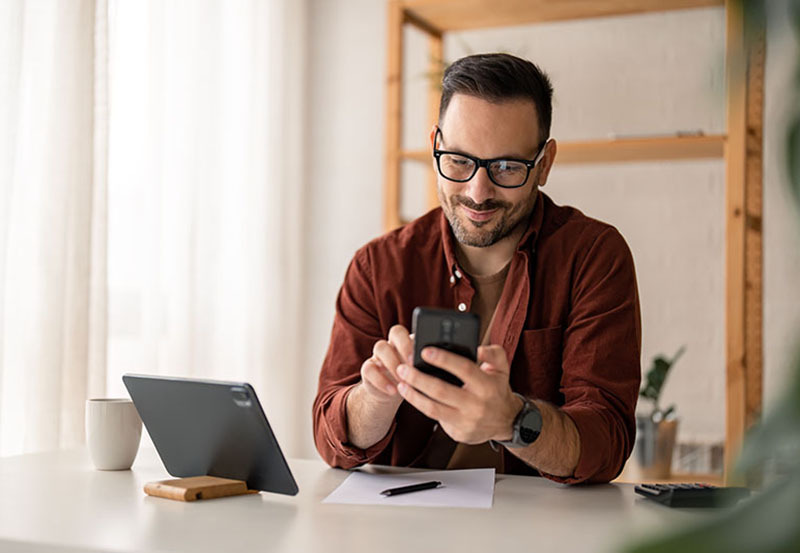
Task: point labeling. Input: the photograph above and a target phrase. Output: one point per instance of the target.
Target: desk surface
(57, 502)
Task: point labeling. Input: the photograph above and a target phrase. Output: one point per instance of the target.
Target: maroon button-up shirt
(568, 319)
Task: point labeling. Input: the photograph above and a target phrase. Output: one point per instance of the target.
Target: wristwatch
(527, 425)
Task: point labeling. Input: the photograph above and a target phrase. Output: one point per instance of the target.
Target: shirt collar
(527, 240)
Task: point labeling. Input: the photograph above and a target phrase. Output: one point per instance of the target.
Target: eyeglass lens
(502, 172)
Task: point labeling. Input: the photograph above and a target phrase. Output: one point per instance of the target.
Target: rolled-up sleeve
(601, 359)
(355, 331)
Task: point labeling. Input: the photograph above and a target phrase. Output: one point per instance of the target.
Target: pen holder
(197, 487)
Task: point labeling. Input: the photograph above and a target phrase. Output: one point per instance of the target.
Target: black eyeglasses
(504, 172)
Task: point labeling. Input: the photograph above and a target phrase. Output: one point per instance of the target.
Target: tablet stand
(197, 487)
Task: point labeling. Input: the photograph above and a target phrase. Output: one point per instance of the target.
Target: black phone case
(447, 329)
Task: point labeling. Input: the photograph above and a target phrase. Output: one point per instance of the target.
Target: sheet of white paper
(460, 488)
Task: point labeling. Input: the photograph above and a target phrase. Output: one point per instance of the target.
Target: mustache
(488, 205)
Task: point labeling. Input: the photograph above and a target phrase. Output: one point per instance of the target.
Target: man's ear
(550, 151)
(433, 135)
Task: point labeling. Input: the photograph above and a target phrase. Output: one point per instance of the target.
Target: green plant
(654, 384)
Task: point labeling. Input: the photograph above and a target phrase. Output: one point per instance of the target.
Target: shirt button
(462, 306)
(452, 280)
(458, 273)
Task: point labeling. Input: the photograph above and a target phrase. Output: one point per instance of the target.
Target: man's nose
(480, 187)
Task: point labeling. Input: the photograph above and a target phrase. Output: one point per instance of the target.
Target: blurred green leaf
(767, 523)
(770, 521)
(778, 435)
(793, 131)
(793, 156)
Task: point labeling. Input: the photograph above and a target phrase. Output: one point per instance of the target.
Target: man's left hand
(482, 409)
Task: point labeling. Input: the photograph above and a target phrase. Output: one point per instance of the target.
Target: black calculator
(692, 495)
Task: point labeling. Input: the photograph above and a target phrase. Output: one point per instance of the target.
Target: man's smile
(479, 216)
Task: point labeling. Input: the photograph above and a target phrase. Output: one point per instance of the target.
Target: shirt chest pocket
(537, 364)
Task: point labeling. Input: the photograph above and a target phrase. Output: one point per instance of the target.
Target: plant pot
(655, 442)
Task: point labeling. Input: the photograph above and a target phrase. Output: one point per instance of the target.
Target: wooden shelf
(618, 150)
(642, 149)
(416, 155)
(458, 15)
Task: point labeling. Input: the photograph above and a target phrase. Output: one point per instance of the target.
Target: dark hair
(499, 77)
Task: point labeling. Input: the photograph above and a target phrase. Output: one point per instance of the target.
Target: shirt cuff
(349, 455)
(595, 441)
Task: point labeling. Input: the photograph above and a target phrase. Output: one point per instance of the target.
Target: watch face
(530, 426)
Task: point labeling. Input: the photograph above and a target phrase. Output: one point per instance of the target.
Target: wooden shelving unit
(620, 150)
(741, 148)
(460, 15)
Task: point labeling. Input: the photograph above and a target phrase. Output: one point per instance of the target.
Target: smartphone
(443, 328)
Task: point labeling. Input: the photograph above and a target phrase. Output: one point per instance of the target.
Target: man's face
(481, 213)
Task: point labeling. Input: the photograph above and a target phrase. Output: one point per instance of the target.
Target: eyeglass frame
(529, 163)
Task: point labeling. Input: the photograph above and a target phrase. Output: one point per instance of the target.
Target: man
(556, 382)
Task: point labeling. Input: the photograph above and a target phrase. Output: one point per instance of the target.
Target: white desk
(57, 502)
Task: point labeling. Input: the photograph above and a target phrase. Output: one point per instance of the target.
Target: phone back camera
(447, 330)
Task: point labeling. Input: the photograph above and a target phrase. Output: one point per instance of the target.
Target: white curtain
(46, 255)
(152, 193)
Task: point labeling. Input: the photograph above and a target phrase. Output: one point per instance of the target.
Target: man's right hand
(379, 372)
(372, 405)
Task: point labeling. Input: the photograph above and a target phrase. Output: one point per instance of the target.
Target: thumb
(493, 359)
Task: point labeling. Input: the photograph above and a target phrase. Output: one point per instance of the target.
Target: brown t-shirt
(488, 290)
(568, 319)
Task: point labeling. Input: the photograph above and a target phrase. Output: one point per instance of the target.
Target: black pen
(412, 488)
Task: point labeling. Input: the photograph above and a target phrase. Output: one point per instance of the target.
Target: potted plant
(656, 429)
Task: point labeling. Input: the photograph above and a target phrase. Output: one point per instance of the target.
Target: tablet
(204, 427)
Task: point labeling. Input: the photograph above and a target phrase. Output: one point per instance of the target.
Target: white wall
(657, 73)
(344, 158)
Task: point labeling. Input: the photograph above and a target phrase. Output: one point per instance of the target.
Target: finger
(459, 365)
(493, 359)
(378, 378)
(428, 407)
(377, 363)
(387, 355)
(433, 387)
(388, 375)
(401, 340)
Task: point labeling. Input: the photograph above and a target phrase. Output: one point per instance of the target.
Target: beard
(482, 234)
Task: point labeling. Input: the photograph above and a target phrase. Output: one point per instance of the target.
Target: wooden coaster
(197, 487)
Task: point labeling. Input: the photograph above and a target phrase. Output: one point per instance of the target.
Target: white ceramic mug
(113, 432)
